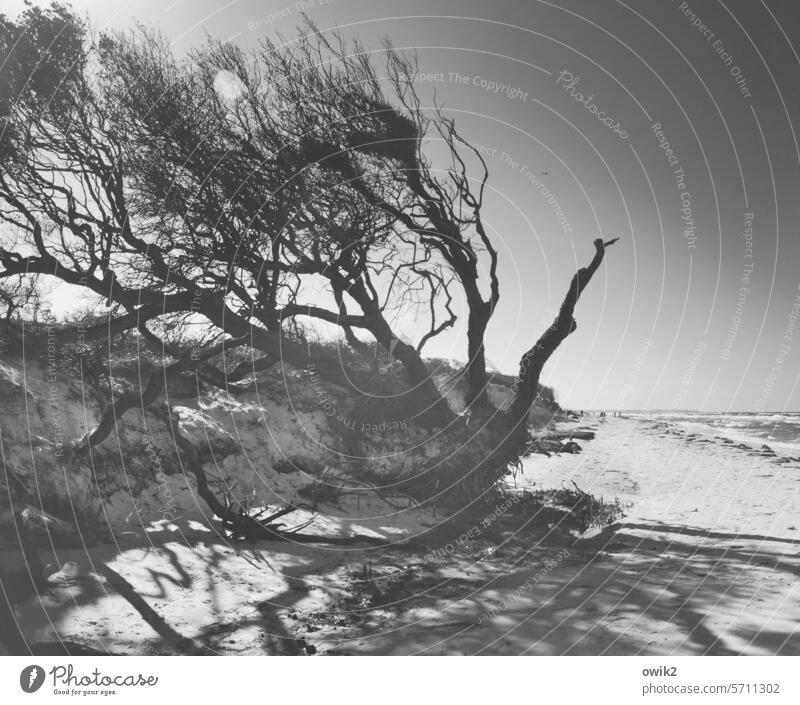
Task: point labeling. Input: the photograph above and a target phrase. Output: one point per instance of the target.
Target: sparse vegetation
(584, 510)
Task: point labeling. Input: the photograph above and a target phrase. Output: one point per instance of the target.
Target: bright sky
(574, 103)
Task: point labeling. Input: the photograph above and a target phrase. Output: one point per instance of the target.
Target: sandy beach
(705, 562)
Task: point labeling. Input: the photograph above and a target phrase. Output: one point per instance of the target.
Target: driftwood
(568, 436)
(548, 447)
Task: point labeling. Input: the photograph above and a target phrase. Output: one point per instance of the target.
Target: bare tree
(23, 297)
(376, 144)
(228, 186)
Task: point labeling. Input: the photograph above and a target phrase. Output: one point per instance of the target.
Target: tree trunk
(475, 372)
(483, 458)
(433, 409)
(533, 361)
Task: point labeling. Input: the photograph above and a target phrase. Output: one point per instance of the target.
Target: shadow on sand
(636, 588)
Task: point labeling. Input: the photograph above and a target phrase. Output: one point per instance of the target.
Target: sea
(779, 430)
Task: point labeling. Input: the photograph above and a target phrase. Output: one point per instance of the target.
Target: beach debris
(570, 447)
(571, 508)
(580, 435)
(548, 447)
(536, 447)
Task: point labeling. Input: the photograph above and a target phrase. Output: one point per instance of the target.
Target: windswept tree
(252, 192)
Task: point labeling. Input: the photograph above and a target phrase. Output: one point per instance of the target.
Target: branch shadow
(627, 591)
(200, 568)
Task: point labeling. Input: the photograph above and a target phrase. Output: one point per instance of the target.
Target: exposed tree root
(241, 525)
(150, 394)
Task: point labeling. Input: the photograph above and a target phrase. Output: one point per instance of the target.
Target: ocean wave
(780, 431)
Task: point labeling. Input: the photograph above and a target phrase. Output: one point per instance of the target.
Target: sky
(669, 124)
